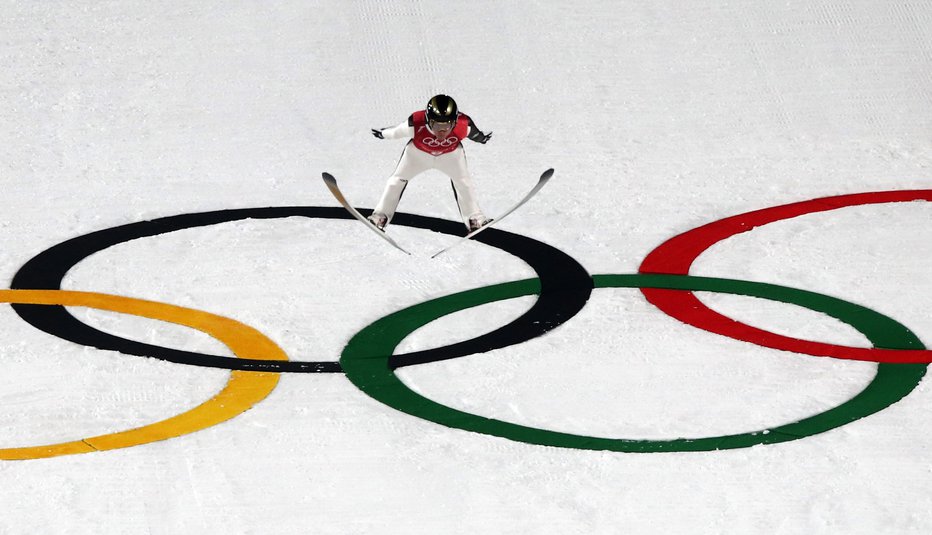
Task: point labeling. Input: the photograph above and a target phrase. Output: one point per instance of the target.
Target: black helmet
(441, 109)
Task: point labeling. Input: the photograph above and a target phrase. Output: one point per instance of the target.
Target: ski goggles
(440, 125)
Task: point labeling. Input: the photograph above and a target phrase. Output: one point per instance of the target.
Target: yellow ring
(243, 389)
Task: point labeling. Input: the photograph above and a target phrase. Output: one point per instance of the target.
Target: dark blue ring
(565, 288)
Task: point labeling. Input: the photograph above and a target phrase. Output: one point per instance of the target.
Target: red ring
(676, 255)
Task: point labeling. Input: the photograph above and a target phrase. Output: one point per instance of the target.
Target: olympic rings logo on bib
(434, 143)
(562, 286)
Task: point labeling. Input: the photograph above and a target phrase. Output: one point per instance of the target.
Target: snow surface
(658, 117)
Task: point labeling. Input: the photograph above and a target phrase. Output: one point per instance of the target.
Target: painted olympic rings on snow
(243, 389)
(563, 286)
(366, 363)
(677, 254)
(564, 291)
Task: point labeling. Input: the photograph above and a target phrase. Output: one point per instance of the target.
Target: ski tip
(328, 177)
(547, 174)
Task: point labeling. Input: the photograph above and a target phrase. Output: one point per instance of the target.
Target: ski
(335, 190)
(544, 178)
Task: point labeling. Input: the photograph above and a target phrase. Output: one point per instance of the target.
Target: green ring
(365, 362)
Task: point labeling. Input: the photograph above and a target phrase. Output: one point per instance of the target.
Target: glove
(484, 138)
(377, 133)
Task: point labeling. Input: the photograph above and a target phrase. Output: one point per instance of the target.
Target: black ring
(565, 288)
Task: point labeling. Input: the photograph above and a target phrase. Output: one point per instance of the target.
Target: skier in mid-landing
(436, 143)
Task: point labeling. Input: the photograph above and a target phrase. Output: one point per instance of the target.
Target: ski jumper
(425, 151)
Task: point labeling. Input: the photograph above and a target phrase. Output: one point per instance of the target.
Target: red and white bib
(427, 142)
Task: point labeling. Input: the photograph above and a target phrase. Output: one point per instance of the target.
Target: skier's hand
(484, 138)
(377, 133)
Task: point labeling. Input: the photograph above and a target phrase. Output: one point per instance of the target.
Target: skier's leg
(454, 165)
(411, 164)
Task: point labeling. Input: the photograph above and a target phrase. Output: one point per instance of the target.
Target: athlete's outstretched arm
(477, 135)
(403, 130)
